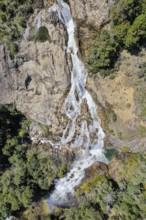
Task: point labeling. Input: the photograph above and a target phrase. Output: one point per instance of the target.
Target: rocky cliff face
(90, 17)
(36, 80)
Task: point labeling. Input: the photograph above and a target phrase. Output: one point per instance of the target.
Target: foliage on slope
(128, 31)
(26, 170)
(118, 195)
(13, 18)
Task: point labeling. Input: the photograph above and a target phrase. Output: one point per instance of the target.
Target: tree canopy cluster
(26, 170)
(128, 31)
(13, 18)
(119, 194)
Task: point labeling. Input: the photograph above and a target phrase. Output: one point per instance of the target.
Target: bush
(103, 54)
(13, 47)
(84, 212)
(125, 10)
(120, 31)
(119, 194)
(13, 18)
(128, 30)
(137, 32)
(30, 170)
(2, 7)
(40, 35)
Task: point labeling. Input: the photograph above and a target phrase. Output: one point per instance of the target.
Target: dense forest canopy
(13, 21)
(26, 170)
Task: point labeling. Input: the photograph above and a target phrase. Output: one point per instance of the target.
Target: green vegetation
(111, 153)
(128, 31)
(143, 113)
(26, 170)
(136, 33)
(103, 54)
(118, 192)
(40, 35)
(121, 194)
(13, 17)
(34, 212)
(125, 149)
(111, 117)
(63, 170)
(142, 131)
(85, 212)
(110, 112)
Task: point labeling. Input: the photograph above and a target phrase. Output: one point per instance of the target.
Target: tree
(104, 53)
(137, 32)
(120, 31)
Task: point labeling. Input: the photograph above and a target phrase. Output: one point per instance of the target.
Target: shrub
(137, 32)
(40, 35)
(128, 30)
(30, 168)
(13, 18)
(13, 47)
(103, 54)
(120, 31)
(125, 10)
(2, 7)
(84, 212)
(142, 129)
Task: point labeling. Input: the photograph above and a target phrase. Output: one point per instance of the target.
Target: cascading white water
(91, 150)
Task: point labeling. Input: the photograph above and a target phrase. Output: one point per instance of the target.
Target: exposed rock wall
(90, 16)
(36, 80)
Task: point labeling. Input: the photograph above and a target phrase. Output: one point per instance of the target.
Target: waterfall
(91, 148)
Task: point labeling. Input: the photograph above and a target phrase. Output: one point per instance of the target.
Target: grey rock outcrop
(90, 17)
(91, 13)
(37, 78)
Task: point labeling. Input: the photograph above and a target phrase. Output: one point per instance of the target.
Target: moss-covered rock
(40, 35)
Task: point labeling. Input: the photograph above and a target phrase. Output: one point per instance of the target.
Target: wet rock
(96, 168)
(67, 155)
(113, 166)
